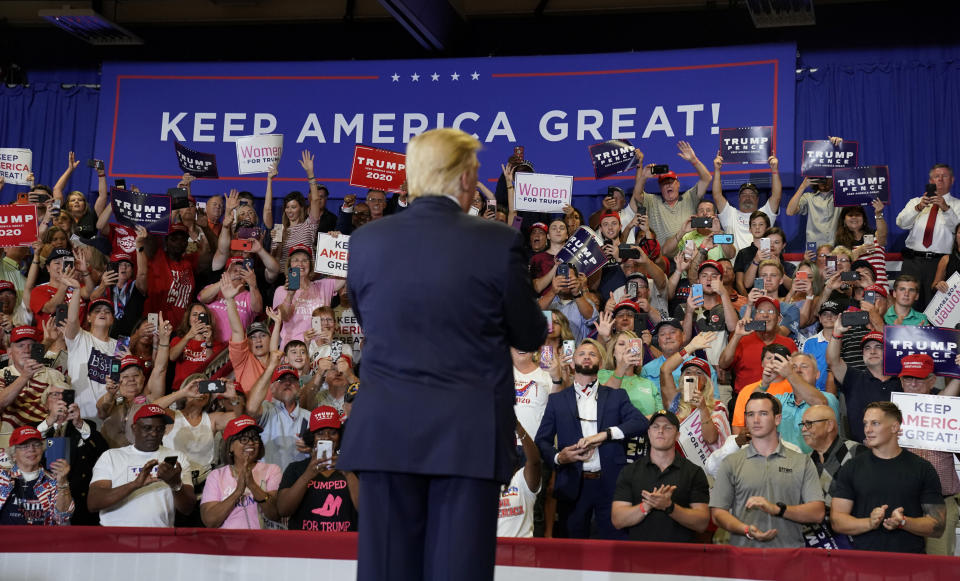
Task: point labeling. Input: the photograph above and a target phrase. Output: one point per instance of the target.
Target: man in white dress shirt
(591, 424)
(931, 220)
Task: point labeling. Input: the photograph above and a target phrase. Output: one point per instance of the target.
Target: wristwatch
(669, 509)
(783, 509)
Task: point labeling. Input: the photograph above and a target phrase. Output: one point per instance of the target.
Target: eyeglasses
(248, 439)
(33, 444)
(808, 424)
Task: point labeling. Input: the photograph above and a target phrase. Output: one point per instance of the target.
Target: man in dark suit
(591, 423)
(441, 296)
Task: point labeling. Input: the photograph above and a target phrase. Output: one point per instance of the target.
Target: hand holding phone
(324, 450)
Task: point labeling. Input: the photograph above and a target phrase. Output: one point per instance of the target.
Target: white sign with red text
(258, 153)
(541, 192)
(332, 255)
(15, 164)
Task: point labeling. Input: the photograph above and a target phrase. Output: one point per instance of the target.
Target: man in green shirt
(906, 289)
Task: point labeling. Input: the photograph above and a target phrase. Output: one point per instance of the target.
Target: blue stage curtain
(899, 103)
(51, 121)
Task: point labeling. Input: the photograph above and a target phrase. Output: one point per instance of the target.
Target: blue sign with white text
(554, 106)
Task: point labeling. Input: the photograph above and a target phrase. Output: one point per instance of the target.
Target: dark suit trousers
(415, 527)
(575, 517)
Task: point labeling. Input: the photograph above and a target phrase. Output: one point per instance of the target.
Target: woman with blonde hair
(624, 356)
(698, 398)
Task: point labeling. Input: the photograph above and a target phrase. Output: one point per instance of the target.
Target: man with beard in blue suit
(441, 296)
(591, 423)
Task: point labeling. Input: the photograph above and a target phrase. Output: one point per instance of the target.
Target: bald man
(821, 433)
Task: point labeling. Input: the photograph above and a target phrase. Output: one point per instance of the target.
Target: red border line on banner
(568, 554)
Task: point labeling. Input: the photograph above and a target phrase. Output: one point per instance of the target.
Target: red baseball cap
(610, 214)
(239, 424)
(152, 411)
(24, 434)
(699, 363)
(324, 417)
(131, 361)
(670, 175)
(767, 299)
(123, 257)
(873, 336)
(178, 227)
(282, 370)
(879, 289)
(234, 260)
(100, 301)
(301, 248)
(626, 304)
(25, 332)
(6, 285)
(540, 226)
(710, 264)
(917, 365)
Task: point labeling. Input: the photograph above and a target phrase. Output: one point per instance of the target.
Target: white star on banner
(455, 77)
(395, 77)
(415, 77)
(475, 76)
(434, 77)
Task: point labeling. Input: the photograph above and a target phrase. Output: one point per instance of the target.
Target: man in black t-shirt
(663, 496)
(888, 500)
(313, 493)
(860, 387)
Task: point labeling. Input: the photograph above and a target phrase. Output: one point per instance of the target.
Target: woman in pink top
(241, 494)
(249, 302)
(296, 307)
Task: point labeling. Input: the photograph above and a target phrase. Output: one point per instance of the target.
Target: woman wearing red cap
(30, 495)
(713, 414)
(296, 306)
(313, 493)
(243, 493)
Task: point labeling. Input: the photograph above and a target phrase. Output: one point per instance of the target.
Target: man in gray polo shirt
(668, 211)
(764, 493)
(817, 204)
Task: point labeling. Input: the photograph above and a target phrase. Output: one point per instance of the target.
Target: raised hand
(686, 151)
(718, 161)
(604, 324)
(72, 162)
(306, 162)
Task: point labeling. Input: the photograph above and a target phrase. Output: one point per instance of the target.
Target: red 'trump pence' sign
(378, 169)
(18, 225)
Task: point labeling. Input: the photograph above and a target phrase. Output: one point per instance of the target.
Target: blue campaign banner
(939, 343)
(858, 186)
(820, 157)
(554, 106)
(152, 211)
(746, 144)
(612, 157)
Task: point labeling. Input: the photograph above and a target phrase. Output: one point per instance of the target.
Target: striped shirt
(303, 233)
(26, 409)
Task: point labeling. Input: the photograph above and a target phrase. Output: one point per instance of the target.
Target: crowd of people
(188, 380)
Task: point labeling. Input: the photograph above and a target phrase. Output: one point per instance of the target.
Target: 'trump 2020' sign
(330, 107)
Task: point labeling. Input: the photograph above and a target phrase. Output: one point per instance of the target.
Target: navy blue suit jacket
(441, 296)
(562, 419)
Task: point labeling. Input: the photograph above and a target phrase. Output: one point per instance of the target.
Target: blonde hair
(685, 409)
(609, 360)
(600, 348)
(437, 159)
